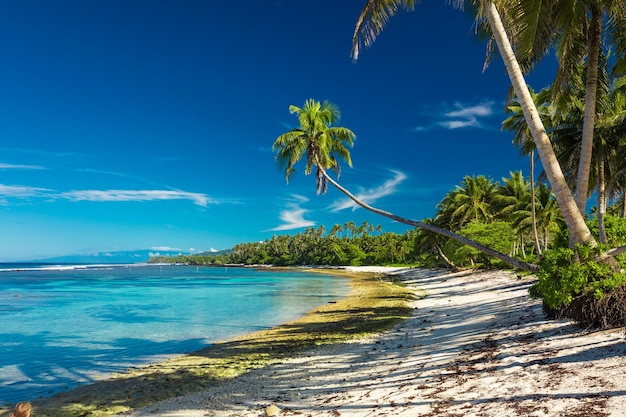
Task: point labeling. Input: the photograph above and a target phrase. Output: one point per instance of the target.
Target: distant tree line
(495, 214)
(341, 245)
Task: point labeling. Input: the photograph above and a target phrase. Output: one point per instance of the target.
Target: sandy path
(476, 345)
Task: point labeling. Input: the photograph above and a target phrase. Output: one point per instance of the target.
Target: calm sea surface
(61, 326)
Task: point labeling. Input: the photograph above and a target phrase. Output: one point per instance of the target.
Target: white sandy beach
(476, 345)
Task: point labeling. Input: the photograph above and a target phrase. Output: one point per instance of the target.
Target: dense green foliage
(562, 278)
(498, 235)
(575, 285)
(343, 245)
(499, 216)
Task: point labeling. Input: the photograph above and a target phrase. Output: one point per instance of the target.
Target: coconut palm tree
(318, 141)
(522, 138)
(336, 230)
(445, 211)
(316, 138)
(512, 195)
(611, 152)
(513, 192)
(568, 119)
(578, 29)
(371, 22)
(547, 218)
(473, 200)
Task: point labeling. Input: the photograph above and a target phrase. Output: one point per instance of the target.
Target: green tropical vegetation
(581, 33)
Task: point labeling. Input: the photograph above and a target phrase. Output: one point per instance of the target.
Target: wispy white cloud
(21, 191)
(459, 124)
(478, 110)
(370, 196)
(293, 216)
(18, 166)
(137, 195)
(463, 116)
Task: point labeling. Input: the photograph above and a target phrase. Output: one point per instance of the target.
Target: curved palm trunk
(461, 239)
(579, 232)
(448, 262)
(586, 148)
(533, 209)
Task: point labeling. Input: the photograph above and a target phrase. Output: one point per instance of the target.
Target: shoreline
(475, 345)
(225, 360)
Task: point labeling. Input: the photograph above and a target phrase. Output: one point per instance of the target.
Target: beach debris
(271, 411)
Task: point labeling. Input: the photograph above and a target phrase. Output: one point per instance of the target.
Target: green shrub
(496, 235)
(562, 277)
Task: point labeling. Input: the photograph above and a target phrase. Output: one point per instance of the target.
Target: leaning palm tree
(371, 22)
(317, 138)
(318, 141)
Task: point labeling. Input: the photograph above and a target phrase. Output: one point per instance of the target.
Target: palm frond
(372, 20)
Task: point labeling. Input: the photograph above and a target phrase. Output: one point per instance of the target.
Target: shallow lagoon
(64, 326)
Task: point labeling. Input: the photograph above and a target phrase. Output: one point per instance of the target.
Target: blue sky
(148, 124)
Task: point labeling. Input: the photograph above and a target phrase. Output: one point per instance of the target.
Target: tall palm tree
(318, 140)
(350, 227)
(513, 192)
(512, 195)
(372, 20)
(522, 138)
(611, 145)
(336, 230)
(606, 171)
(578, 29)
(548, 215)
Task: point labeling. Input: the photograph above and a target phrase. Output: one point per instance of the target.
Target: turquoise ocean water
(61, 326)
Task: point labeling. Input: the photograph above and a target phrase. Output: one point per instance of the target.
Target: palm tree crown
(316, 138)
